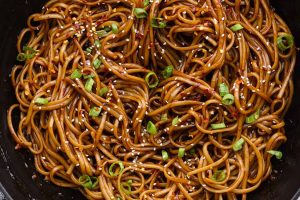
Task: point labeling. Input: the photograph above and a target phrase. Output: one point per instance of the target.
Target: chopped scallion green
(31, 50)
(107, 28)
(103, 91)
(165, 155)
(29, 56)
(113, 172)
(175, 121)
(88, 182)
(76, 74)
(129, 181)
(102, 33)
(97, 43)
(89, 84)
(219, 175)
(236, 27)
(88, 50)
(223, 89)
(158, 23)
(218, 126)
(252, 118)
(151, 75)
(181, 152)
(140, 13)
(228, 99)
(41, 101)
(285, 41)
(238, 145)
(146, 3)
(151, 128)
(97, 63)
(114, 28)
(21, 57)
(168, 71)
(88, 76)
(30, 53)
(95, 111)
(126, 188)
(277, 154)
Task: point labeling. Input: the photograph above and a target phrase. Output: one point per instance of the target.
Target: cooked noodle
(114, 51)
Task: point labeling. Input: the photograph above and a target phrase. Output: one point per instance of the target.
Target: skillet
(17, 169)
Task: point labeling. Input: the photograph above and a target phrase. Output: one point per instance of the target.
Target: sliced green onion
(153, 76)
(165, 155)
(285, 41)
(88, 50)
(181, 151)
(97, 63)
(41, 101)
(140, 13)
(95, 182)
(95, 111)
(88, 76)
(88, 182)
(29, 56)
(107, 28)
(277, 154)
(103, 91)
(111, 168)
(158, 23)
(129, 181)
(119, 198)
(102, 33)
(164, 117)
(89, 84)
(192, 151)
(21, 57)
(175, 121)
(238, 145)
(146, 3)
(114, 28)
(97, 43)
(151, 128)
(76, 74)
(252, 118)
(31, 50)
(223, 89)
(219, 176)
(228, 99)
(218, 126)
(126, 190)
(236, 27)
(84, 179)
(168, 71)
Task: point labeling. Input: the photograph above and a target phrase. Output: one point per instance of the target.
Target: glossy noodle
(175, 99)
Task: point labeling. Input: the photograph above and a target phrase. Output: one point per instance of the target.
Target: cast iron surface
(17, 169)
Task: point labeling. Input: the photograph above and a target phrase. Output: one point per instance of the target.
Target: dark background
(16, 179)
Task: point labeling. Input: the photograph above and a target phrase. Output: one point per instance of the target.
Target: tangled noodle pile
(174, 99)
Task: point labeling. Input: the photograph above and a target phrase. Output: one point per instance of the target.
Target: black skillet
(16, 179)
